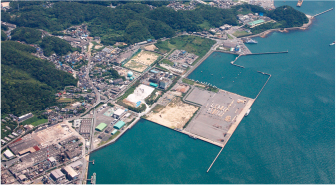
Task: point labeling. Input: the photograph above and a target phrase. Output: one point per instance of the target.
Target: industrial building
(57, 175)
(118, 113)
(8, 154)
(76, 165)
(23, 146)
(101, 127)
(25, 117)
(77, 123)
(85, 127)
(119, 125)
(114, 132)
(70, 173)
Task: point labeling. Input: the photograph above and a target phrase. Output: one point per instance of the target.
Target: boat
(248, 112)
(193, 137)
(251, 41)
(299, 3)
(333, 43)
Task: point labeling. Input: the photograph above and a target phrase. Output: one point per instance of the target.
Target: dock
(91, 162)
(267, 53)
(323, 12)
(93, 179)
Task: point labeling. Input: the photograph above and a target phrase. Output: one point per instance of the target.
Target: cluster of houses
(176, 5)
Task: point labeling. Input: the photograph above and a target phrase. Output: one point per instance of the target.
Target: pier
(267, 53)
(215, 159)
(322, 12)
(91, 162)
(93, 179)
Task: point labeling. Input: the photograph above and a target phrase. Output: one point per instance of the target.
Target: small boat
(248, 112)
(333, 43)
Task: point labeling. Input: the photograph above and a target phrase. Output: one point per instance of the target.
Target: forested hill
(130, 23)
(27, 82)
(133, 22)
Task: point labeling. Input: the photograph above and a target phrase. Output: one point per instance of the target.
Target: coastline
(285, 30)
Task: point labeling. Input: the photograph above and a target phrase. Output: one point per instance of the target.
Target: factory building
(8, 154)
(76, 165)
(118, 113)
(70, 173)
(114, 131)
(77, 123)
(163, 84)
(119, 125)
(101, 127)
(57, 175)
(25, 117)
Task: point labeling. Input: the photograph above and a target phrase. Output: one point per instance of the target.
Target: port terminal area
(219, 114)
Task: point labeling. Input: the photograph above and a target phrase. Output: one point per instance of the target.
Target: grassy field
(64, 100)
(30, 121)
(192, 44)
(229, 36)
(34, 121)
(39, 122)
(187, 81)
(240, 33)
(168, 62)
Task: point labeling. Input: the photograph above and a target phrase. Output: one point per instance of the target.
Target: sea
(288, 137)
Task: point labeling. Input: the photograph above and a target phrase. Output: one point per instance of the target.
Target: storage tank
(130, 74)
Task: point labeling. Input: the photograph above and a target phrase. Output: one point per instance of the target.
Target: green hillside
(28, 83)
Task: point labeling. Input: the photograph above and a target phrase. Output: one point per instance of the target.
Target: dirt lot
(145, 57)
(151, 47)
(135, 66)
(175, 115)
(98, 46)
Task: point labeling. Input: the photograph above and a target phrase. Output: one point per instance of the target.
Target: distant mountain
(28, 83)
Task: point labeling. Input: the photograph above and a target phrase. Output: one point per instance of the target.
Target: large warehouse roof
(119, 125)
(101, 126)
(119, 112)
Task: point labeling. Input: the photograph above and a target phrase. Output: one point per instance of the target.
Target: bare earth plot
(175, 115)
(142, 60)
(135, 66)
(219, 115)
(151, 47)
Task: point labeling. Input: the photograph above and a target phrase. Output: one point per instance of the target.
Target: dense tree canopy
(3, 36)
(56, 45)
(288, 16)
(129, 22)
(27, 82)
(28, 35)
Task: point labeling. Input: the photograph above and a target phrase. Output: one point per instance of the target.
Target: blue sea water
(289, 136)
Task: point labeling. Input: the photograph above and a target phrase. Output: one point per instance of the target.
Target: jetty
(93, 179)
(267, 53)
(91, 162)
(322, 12)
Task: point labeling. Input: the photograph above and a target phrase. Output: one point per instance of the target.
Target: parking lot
(217, 114)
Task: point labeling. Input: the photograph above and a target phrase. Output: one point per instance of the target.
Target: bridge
(323, 12)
